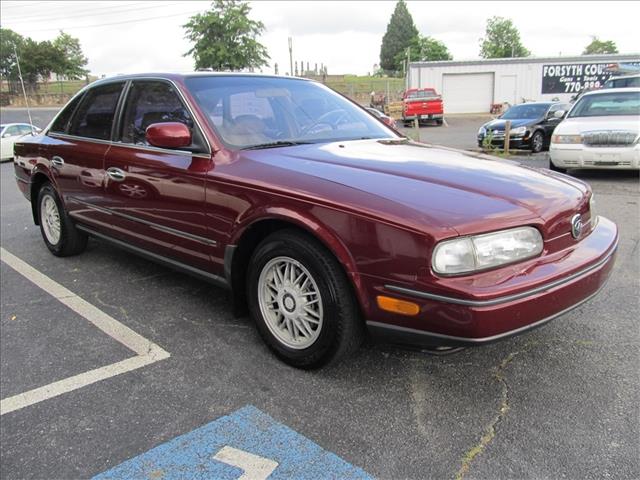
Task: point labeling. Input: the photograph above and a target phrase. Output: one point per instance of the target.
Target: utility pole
(291, 55)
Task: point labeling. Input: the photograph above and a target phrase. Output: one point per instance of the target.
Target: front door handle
(57, 161)
(115, 174)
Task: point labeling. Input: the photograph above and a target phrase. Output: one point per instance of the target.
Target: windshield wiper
(279, 143)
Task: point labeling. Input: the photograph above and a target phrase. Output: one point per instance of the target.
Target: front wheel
(302, 301)
(556, 169)
(59, 233)
(537, 142)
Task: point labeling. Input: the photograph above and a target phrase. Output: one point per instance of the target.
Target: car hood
(498, 123)
(418, 186)
(577, 125)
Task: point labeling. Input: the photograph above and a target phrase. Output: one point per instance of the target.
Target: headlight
(519, 131)
(566, 139)
(480, 252)
(482, 131)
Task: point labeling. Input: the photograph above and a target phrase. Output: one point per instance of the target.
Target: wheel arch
(247, 237)
(38, 179)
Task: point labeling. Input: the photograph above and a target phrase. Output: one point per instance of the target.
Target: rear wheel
(59, 233)
(439, 121)
(302, 301)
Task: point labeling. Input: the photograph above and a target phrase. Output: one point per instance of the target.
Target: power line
(83, 6)
(88, 13)
(23, 5)
(42, 16)
(119, 23)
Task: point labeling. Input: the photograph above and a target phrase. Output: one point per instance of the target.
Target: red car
(324, 222)
(422, 104)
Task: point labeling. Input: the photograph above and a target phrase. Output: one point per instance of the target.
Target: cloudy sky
(136, 36)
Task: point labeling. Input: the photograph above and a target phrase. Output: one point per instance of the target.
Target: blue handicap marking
(246, 445)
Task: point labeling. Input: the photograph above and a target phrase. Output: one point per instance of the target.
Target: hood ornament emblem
(576, 225)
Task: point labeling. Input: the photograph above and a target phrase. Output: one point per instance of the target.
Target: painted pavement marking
(147, 351)
(247, 444)
(255, 467)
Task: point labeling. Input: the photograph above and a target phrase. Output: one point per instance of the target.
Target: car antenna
(24, 92)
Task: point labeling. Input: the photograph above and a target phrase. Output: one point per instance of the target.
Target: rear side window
(95, 114)
(151, 102)
(61, 122)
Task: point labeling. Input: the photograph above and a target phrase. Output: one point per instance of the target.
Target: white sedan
(9, 133)
(602, 130)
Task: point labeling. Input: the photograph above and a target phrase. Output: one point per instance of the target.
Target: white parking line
(147, 351)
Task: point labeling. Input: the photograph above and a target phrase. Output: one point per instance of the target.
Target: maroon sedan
(324, 222)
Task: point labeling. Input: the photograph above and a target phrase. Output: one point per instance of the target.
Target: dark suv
(531, 126)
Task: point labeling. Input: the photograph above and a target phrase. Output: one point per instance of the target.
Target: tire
(537, 142)
(439, 121)
(59, 233)
(329, 328)
(556, 169)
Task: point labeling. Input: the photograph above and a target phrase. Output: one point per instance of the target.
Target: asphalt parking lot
(115, 367)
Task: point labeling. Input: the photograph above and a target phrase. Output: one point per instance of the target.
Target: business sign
(575, 77)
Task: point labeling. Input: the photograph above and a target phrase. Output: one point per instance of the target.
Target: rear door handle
(115, 174)
(57, 161)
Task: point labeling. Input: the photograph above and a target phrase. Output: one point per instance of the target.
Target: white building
(473, 86)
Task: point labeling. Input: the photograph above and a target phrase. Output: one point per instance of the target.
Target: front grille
(609, 138)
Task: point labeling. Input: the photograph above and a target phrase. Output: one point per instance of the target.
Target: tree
(224, 37)
(38, 60)
(600, 46)
(432, 49)
(72, 60)
(401, 33)
(502, 40)
(9, 39)
(426, 49)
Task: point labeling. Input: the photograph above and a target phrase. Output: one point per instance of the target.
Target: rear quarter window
(94, 117)
(61, 123)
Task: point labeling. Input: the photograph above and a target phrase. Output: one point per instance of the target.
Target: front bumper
(518, 143)
(576, 276)
(580, 156)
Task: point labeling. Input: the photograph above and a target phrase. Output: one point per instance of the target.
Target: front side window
(151, 102)
(557, 107)
(251, 111)
(61, 122)
(94, 117)
(607, 104)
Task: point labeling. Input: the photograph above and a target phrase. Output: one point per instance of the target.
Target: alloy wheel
(290, 302)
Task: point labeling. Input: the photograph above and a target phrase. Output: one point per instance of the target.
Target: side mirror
(168, 135)
(559, 114)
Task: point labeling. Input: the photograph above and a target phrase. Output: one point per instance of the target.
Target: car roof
(183, 76)
(536, 103)
(612, 90)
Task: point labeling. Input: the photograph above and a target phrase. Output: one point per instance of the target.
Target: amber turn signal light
(397, 306)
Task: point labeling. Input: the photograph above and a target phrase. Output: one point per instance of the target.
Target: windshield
(607, 104)
(248, 112)
(525, 111)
